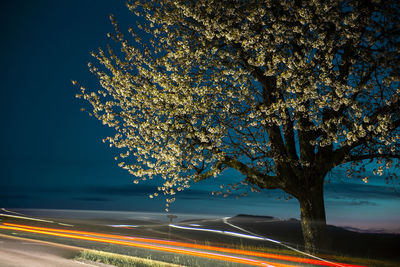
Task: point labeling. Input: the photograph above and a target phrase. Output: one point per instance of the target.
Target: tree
(281, 91)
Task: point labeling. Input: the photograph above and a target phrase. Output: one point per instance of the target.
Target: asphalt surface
(20, 252)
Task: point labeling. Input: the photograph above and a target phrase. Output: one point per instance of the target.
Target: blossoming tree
(281, 91)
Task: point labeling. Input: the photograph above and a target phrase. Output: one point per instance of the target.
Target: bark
(313, 220)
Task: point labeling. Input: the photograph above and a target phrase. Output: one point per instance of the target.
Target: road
(17, 252)
(219, 253)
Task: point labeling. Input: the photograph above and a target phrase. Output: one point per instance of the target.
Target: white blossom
(202, 85)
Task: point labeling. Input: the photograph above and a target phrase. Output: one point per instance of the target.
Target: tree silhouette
(281, 91)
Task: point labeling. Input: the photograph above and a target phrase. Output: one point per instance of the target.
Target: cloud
(353, 202)
(103, 190)
(194, 194)
(363, 191)
(14, 192)
(94, 199)
(96, 192)
(15, 196)
(125, 190)
(362, 203)
(144, 190)
(55, 189)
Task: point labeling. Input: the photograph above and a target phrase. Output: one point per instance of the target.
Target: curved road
(17, 252)
(211, 252)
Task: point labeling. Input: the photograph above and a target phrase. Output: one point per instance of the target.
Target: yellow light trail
(209, 255)
(189, 245)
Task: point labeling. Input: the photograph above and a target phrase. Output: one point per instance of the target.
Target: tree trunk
(313, 220)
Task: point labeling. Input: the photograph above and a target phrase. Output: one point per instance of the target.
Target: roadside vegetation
(370, 262)
(120, 260)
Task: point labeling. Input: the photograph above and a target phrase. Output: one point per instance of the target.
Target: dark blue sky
(51, 152)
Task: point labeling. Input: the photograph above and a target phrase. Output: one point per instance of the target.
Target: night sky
(52, 155)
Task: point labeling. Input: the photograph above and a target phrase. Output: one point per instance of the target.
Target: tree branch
(339, 155)
(253, 176)
(371, 156)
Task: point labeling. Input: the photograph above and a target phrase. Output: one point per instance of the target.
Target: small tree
(281, 91)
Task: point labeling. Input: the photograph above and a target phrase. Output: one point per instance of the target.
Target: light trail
(316, 261)
(128, 226)
(203, 254)
(25, 218)
(13, 212)
(217, 231)
(328, 263)
(22, 216)
(188, 245)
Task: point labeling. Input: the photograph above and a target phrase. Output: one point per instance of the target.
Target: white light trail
(25, 218)
(225, 220)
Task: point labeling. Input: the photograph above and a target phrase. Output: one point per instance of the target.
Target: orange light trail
(189, 245)
(234, 259)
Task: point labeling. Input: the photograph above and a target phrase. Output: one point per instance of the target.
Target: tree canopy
(281, 91)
